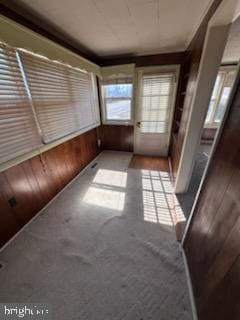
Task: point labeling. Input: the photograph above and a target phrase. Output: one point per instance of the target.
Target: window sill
(118, 123)
(211, 125)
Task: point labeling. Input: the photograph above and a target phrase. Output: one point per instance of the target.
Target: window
(118, 99)
(156, 94)
(220, 95)
(62, 96)
(117, 93)
(42, 101)
(18, 130)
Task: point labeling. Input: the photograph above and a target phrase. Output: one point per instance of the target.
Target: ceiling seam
(106, 22)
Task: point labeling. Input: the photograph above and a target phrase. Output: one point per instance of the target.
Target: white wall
(211, 59)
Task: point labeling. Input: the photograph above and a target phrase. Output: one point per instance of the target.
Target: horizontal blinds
(18, 130)
(117, 79)
(63, 97)
(83, 97)
(118, 74)
(156, 100)
(117, 87)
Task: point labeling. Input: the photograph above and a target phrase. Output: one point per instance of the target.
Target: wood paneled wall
(119, 138)
(187, 89)
(212, 244)
(35, 182)
(144, 61)
(122, 137)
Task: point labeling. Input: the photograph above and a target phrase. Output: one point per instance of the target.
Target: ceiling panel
(115, 27)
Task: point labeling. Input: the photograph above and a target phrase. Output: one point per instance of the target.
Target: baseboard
(189, 283)
(57, 195)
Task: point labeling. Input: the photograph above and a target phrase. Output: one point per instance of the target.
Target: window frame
(103, 106)
(42, 147)
(174, 68)
(212, 124)
(157, 73)
(71, 102)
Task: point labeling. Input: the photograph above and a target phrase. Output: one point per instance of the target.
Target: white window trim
(213, 124)
(106, 121)
(50, 145)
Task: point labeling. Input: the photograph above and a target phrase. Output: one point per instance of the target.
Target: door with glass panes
(156, 92)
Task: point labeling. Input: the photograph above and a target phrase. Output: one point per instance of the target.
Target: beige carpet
(105, 249)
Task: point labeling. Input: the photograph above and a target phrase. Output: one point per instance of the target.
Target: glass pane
(216, 86)
(118, 90)
(156, 103)
(117, 109)
(157, 115)
(153, 86)
(210, 110)
(222, 104)
(154, 127)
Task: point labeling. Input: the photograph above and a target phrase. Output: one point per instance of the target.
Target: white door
(156, 91)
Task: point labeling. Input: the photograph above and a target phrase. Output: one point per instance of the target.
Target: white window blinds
(156, 94)
(18, 131)
(63, 97)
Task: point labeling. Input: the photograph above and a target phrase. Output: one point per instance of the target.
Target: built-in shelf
(180, 105)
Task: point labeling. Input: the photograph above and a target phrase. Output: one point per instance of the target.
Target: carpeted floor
(105, 249)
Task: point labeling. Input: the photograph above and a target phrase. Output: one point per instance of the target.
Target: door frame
(214, 45)
(159, 68)
(227, 12)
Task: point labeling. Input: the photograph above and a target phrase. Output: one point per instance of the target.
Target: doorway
(215, 114)
(155, 100)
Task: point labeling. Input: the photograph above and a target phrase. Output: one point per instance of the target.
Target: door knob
(138, 124)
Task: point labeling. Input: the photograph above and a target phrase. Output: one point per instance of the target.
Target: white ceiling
(232, 49)
(115, 27)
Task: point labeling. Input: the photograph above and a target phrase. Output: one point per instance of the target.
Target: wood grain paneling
(212, 244)
(187, 89)
(144, 61)
(36, 181)
(119, 138)
(9, 224)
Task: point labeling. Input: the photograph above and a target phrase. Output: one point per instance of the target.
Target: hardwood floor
(149, 163)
